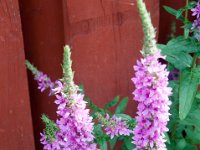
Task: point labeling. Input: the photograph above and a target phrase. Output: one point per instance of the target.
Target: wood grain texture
(16, 131)
(106, 37)
(42, 24)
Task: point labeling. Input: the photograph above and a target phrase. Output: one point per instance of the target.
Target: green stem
(68, 74)
(186, 31)
(149, 47)
(194, 60)
(186, 12)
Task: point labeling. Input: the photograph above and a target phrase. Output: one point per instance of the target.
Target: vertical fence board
(15, 116)
(42, 24)
(106, 37)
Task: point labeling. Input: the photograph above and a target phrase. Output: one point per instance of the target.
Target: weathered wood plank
(42, 24)
(106, 37)
(16, 131)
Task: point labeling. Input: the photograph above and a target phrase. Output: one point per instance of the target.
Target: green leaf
(198, 95)
(93, 106)
(188, 87)
(179, 60)
(198, 55)
(112, 103)
(178, 51)
(128, 143)
(167, 138)
(193, 119)
(122, 106)
(98, 130)
(190, 5)
(193, 135)
(50, 128)
(100, 137)
(180, 44)
(123, 117)
(170, 10)
(81, 89)
(176, 13)
(188, 25)
(181, 144)
(186, 33)
(190, 147)
(103, 144)
(113, 142)
(161, 46)
(179, 13)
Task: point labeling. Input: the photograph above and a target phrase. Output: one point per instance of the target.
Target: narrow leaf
(103, 144)
(128, 143)
(122, 106)
(174, 12)
(123, 116)
(167, 138)
(180, 44)
(179, 60)
(113, 142)
(112, 103)
(188, 87)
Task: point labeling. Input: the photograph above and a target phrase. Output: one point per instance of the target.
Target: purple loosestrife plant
(152, 91)
(182, 56)
(114, 126)
(196, 10)
(73, 129)
(74, 124)
(152, 95)
(196, 23)
(44, 82)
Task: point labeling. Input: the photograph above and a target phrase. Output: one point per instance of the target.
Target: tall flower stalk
(196, 23)
(73, 128)
(152, 91)
(114, 126)
(44, 82)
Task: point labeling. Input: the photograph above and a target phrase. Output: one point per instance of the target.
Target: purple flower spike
(74, 123)
(58, 87)
(196, 10)
(44, 82)
(196, 24)
(117, 127)
(152, 92)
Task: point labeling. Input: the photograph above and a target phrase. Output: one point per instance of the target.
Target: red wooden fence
(15, 117)
(105, 36)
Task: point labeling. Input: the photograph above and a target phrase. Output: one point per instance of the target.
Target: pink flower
(196, 10)
(44, 82)
(116, 127)
(58, 87)
(74, 123)
(152, 92)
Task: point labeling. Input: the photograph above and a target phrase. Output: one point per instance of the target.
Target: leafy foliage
(50, 128)
(189, 81)
(182, 53)
(101, 138)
